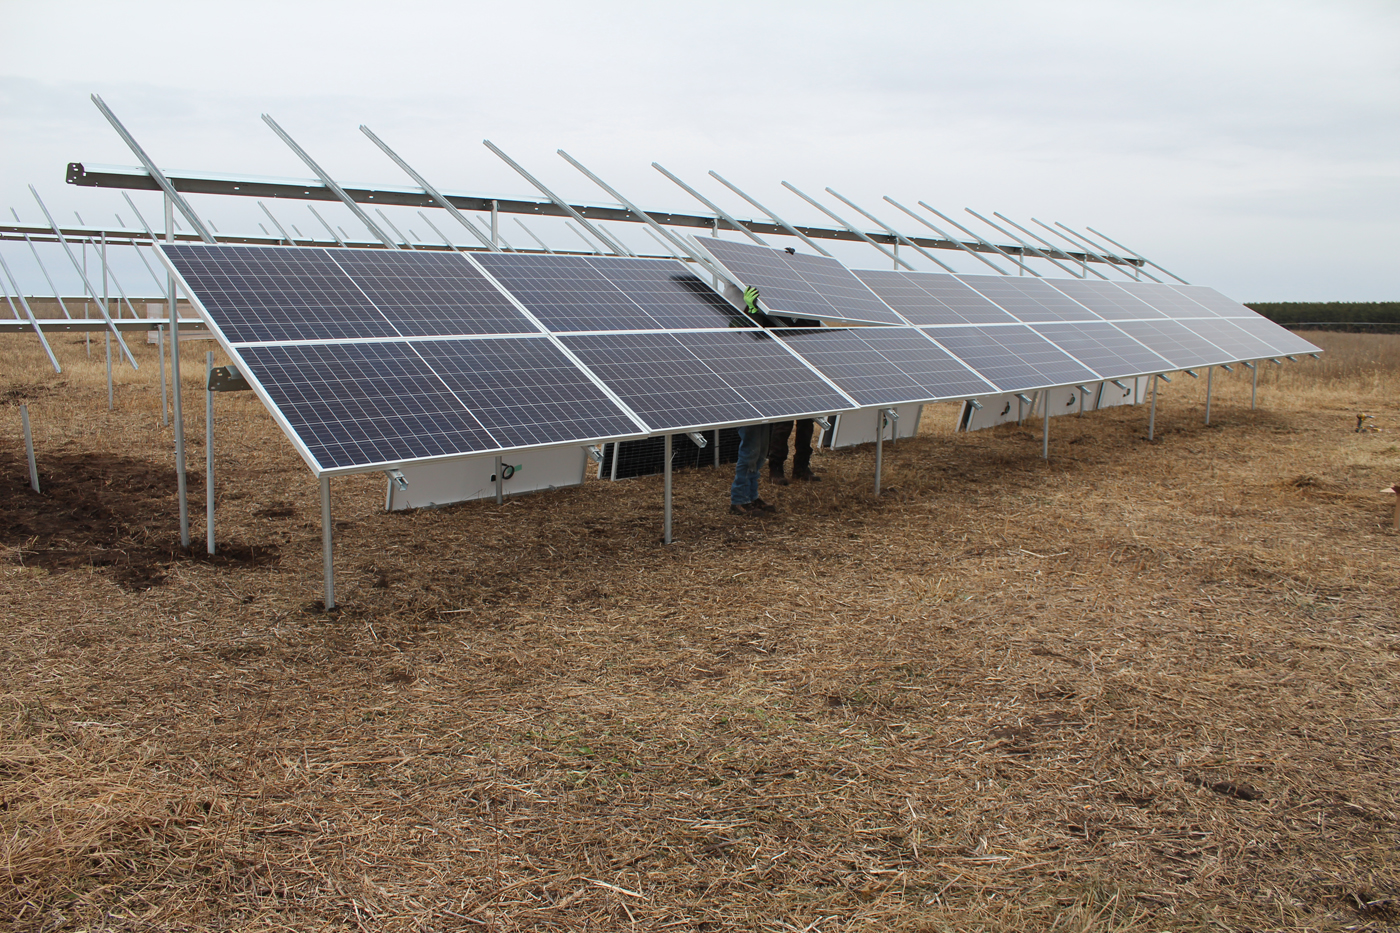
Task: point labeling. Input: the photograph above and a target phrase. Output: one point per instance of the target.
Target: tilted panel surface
(859, 369)
(668, 291)
(765, 373)
(275, 293)
(1030, 301)
(661, 380)
(429, 293)
(1168, 300)
(1213, 301)
(780, 288)
(1014, 358)
(359, 404)
(838, 285)
(941, 375)
(1283, 341)
(1173, 340)
(1106, 299)
(525, 391)
(566, 292)
(1239, 343)
(1104, 348)
(928, 298)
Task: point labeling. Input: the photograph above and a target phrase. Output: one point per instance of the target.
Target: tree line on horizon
(1328, 312)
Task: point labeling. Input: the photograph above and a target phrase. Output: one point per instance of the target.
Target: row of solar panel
(276, 294)
(377, 396)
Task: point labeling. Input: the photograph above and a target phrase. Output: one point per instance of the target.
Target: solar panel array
(374, 358)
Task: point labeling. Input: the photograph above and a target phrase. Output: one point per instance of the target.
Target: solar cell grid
(782, 289)
(1284, 342)
(266, 293)
(360, 404)
(1014, 359)
(854, 365)
(566, 292)
(667, 291)
(834, 282)
(773, 380)
(1171, 339)
(1213, 301)
(661, 380)
(525, 391)
(1030, 301)
(1104, 348)
(1238, 343)
(431, 293)
(1106, 299)
(1166, 299)
(940, 374)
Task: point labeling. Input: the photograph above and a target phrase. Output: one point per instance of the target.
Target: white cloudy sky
(1254, 146)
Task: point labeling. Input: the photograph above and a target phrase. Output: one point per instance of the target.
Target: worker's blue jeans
(753, 450)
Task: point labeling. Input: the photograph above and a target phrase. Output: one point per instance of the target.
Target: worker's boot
(806, 475)
(775, 473)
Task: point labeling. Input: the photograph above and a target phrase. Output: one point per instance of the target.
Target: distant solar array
(375, 358)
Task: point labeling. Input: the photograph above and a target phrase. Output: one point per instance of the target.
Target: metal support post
(209, 450)
(986, 243)
(879, 446)
(164, 392)
(1210, 379)
(429, 190)
(1025, 246)
(1152, 414)
(719, 211)
(501, 482)
(532, 236)
(887, 254)
(1083, 259)
(1045, 429)
(327, 550)
(107, 308)
(1138, 255)
(563, 205)
(1111, 258)
(29, 447)
(1254, 385)
(898, 237)
(180, 478)
(495, 224)
(667, 487)
(961, 245)
(24, 302)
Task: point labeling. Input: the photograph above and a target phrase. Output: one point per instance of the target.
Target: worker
(753, 443)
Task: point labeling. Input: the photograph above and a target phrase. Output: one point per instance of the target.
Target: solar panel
(525, 391)
(1106, 299)
(360, 404)
(859, 369)
(1176, 342)
(566, 292)
(1166, 299)
(1212, 300)
(1104, 348)
(801, 286)
(928, 298)
(940, 374)
(1240, 344)
(682, 382)
(668, 291)
(1014, 358)
(257, 293)
(431, 293)
(1030, 301)
(1283, 341)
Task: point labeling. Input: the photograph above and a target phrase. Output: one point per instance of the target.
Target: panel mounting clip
(700, 439)
(398, 479)
(227, 379)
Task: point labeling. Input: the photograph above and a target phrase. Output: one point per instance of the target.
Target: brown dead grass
(1141, 687)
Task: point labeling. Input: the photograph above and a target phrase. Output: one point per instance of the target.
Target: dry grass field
(1143, 686)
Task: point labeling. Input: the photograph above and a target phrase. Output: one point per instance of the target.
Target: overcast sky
(1250, 146)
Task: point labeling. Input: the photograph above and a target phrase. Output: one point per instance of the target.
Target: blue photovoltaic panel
(859, 369)
(1104, 348)
(932, 298)
(525, 391)
(801, 286)
(565, 292)
(765, 373)
(663, 382)
(359, 404)
(429, 293)
(1014, 358)
(1240, 344)
(1212, 300)
(1106, 299)
(667, 291)
(1030, 301)
(696, 380)
(1283, 341)
(941, 375)
(850, 297)
(1166, 299)
(1173, 340)
(276, 293)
